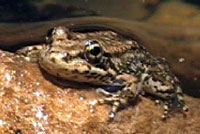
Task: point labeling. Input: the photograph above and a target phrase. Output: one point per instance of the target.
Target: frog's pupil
(95, 51)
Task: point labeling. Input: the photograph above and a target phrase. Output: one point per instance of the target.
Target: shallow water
(28, 11)
(43, 10)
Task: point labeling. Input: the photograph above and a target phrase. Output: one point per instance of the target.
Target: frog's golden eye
(93, 50)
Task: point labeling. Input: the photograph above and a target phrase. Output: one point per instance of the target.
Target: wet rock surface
(32, 104)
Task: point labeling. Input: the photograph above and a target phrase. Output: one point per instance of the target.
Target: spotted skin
(105, 58)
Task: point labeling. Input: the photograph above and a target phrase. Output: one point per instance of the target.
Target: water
(28, 11)
(43, 10)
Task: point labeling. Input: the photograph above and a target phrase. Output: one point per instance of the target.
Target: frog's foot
(116, 104)
(120, 98)
(174, 104)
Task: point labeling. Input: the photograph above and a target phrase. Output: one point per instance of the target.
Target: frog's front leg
(30, 53)
(122, 97)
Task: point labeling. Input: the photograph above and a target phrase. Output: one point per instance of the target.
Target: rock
(31, 103)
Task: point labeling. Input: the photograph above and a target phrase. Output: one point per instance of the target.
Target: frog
(121, 67)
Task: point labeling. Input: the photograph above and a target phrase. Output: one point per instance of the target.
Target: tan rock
(30, 103)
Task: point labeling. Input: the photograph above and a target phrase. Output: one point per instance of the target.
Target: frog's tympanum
(106, 59)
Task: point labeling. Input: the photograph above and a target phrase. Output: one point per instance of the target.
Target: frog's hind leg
(175, 103)
(180, 100)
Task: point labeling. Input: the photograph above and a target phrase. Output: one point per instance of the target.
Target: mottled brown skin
(107, 59)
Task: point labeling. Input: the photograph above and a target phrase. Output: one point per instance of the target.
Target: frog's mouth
(78, 83)
(77, 69)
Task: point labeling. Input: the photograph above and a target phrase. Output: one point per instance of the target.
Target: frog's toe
(166, 111)
(115, 102)
(181, 103)
(185, 108)
(173, 105)
(115, 108)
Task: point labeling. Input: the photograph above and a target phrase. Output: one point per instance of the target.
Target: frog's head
(78, 58)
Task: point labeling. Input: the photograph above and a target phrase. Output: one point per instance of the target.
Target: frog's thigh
(156, 91)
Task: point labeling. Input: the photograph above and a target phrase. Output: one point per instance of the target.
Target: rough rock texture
(32, 104)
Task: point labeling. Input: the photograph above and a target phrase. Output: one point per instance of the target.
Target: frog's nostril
(53, 60)
(65, 56)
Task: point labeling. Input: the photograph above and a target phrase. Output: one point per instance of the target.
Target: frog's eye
(93, 50)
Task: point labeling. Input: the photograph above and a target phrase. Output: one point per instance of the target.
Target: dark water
(36, 10)
(43, 10)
